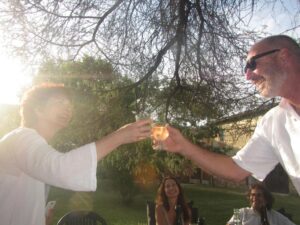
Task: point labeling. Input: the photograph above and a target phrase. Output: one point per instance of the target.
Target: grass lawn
(215, 204)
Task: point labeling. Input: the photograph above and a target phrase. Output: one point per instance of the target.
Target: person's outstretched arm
(214, 163)
(129, 133)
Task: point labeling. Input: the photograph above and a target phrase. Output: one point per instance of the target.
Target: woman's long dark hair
(163, 199)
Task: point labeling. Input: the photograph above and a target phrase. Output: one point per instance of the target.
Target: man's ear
(284, 56)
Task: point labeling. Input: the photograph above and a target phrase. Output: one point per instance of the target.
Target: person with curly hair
(28, 162)
(260, 211)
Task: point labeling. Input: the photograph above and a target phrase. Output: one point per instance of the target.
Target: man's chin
(63, 125)
(256, 208)
(266, 93)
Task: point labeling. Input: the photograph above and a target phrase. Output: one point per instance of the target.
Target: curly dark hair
(36, 97)
(162, 199)
(266, 193)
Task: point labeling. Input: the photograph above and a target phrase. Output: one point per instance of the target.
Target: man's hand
(175, 142)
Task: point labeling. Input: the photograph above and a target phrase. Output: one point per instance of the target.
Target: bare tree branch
(193, 49)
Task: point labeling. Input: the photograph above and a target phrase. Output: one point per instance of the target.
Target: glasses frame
(251, 63)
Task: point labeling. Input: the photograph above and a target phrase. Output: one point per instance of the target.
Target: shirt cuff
(94, 167)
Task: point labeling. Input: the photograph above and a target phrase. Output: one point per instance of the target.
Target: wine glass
(159, 133)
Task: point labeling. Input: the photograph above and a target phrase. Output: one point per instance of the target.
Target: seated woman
(169, 200)
(260, 211)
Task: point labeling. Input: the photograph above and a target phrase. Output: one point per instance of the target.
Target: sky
(14, 76)
(277, 19)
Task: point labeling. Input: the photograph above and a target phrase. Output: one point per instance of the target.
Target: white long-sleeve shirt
(27, 162)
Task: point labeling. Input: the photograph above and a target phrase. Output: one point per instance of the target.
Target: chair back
(286, 214)
(194, 212)
(151, 213)
(82, 217)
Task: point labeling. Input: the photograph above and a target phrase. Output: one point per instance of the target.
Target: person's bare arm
(190, 217)
(214, 163)
(159, 215)
(129, 133)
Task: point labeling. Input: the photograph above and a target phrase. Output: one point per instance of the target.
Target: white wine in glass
(159, 133)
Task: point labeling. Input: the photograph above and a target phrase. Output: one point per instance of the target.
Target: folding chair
(194, 211)
(286, 214)
(151, 212)
(81, 217)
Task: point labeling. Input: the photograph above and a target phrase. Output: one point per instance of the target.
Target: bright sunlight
(13, 77)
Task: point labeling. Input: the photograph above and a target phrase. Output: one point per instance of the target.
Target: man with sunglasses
(273, 66)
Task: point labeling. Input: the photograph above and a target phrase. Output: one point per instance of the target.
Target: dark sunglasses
(251, 63)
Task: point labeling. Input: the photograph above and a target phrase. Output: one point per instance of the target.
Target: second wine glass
(159, 133)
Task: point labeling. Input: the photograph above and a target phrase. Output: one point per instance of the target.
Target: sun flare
(13, 77)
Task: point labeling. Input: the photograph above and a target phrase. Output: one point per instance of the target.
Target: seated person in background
(169, 200)
(260, 212)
